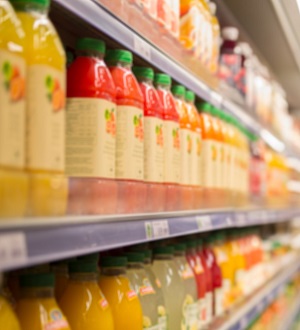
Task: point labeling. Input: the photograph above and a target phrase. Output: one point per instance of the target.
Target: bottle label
(209, 307)
(12, 110)
(202, 311)
(162, 318)
(130, 143)
(56, 321)
(226, 284)
(90, 137)
(209, 163)
(186, 147)
(190, 320)
(154, 149)
(131, 295)
(219, 301)
(103, 303)
(46, 118)
(172, 152)
(196, 159)
(147, 288)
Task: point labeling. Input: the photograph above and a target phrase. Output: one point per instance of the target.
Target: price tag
(240, 219)
(13, 249)
(142, 48)
(204, 222)
(228, 221)
(157, 229)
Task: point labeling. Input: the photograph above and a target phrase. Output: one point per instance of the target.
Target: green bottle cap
(142, 72)
(190, 96)
(178, 90)
(204, 107)
(180, 247)
(118, 55)
(90, 44)
(38, 280)
(113, 261)
(43, 3)
(162, 79)
(135, 257)
(163, 250)
(190, 243)
(90, 257)
(83, 266)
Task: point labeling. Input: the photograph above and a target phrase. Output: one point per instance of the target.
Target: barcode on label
(142, 48)
(157, 229)
(13, 250)
(204, 221)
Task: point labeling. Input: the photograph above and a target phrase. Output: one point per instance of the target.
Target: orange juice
(13, 180)
(123, 300)
(37, 308)
(82, 301)
(60, 270)
(45, 104)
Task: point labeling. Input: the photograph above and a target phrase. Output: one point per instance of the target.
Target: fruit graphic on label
(189, 144)
(159, 135)
(138, 127)
(214, 152)
(161, 310)
(146, 322)
(176, 140)
(55, 93)
(110, 119)
(13, 81)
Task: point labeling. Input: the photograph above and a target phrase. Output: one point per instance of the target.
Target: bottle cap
(178, 90)
(134, 257)
(180, 247)
(44, 3)
(37, 280)
(83, 266)
(190, 96)
(90, 257)
(143, 72)
(162, 79)
(230, 33)
(119, 55)
(213, 8)
(90, 44)
(191, 243)
(203, 107)
(163, 250)
(113, 261)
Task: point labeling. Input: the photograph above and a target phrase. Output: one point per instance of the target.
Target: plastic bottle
(60, 270)
(129, 133)
(8, 319)
(165, 270)
(230, 59)
(91, 132)
(153, 141)
(46, 87)
(143, 288)
(186, 148)
(123, 300)
(190, 304)
(207, 34)
(83, 302)
(37, 308)
(243, 76)
(13, 179)
(215, 49)
(172, 142)
(196, 265)
(196, 126)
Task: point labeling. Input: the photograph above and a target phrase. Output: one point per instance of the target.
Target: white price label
(142, 48)
(13, 249)
(228, 221)
(241, 219)
(204, 222)
(157, 229)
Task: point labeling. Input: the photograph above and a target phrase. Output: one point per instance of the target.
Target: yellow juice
(13, 180)
(8, 319)
(37, 308)
(83, 302)
(45, 107)
(124, 302)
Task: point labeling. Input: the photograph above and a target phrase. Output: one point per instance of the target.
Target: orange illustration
(159, 135)
(55, 93)
(13, 81)
(138, 127)
(110, 119)
(176, 140)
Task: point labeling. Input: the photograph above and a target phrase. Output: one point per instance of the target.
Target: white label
(154, 149)
(91, 138)
(191, 316)
(142, 47)
(46, 118)
(130, 143)
(196, 159)
(157, 229)
(163, 322)
(204, 221)
(219, 301)
(186, 146)
(172, 152)
(12, 110)
(209, 163)
(209, 307)
(13, 249)
(202, 312)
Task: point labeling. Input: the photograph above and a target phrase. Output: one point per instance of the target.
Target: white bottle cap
(213, 8)
(230, 33)
(246, 50)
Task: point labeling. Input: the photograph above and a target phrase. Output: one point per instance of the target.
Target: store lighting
(272, 141)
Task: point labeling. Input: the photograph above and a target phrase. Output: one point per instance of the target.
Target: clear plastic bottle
(165, 270)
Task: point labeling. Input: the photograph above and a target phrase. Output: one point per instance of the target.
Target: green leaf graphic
(7, 70)
(107, 114)
(49, 81)
(135, 121)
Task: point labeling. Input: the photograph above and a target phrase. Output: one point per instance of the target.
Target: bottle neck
(44, 292)
(135, 265)
(164, 87)
(84, 277)
(121, 64)
(145, 80)
(89, 53)
(163, 257)
(179, 254)
(180, 97)
(31, 7)
(113, 271)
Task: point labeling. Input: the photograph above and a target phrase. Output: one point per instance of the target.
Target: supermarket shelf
(240, 318)
(287, 322)
(93, 13)
(27, 242)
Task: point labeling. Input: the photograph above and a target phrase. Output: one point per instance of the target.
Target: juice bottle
(83, 302)
(215, 49)
(207, 34)
(165, 270)
(153, 141)
(37, 308)
(13, 179)
(216, 273)
(143, 288)
(171, 142)
(46, 61)
(190, 306)
(123, 300)
(196, 265)
(91, 131)
(129, 133)
(207, 315)
(209, 155)
(186, 148)
(60, 270)
(196, 147)
(8, 319)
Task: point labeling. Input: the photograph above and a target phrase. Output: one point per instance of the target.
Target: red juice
(171, 142)
(130, 133)
(91, 131)
(153, 141)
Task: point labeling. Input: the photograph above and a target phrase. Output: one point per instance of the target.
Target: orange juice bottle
(186, 146)
(45, 106)
(196, 137)
(60, 270)
(13, 180)
(215, 49)
(37, 308)
(123, 300)
(83, 302)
